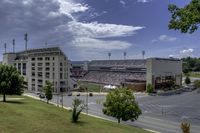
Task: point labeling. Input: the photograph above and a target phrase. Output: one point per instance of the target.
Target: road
(160, 113)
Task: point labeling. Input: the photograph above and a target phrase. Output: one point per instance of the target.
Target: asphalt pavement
(159, 113)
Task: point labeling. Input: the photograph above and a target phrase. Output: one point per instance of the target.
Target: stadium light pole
(26, 40)
(109, 55)
(125, 55)
(13, 45)
(5, 46)
(143, 53)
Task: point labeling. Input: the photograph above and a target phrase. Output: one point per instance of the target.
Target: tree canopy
(48, 90)
(121, 104)
(11, 82)
(186, 19)
(191, 64)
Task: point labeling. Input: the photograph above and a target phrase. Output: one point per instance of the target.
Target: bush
(90, 94)
(185, 127)
(197, 83)
(149, 88)
(78, 107)
(187, 80)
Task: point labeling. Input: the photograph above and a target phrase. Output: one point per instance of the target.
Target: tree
(186, 19)
(185, 127)
(149, 88)
(48, 90)
(11, 82)
(187, 80)
(197, 84)
(78, 107)
(121, 104)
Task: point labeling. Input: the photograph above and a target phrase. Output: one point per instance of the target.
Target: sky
(90, 29)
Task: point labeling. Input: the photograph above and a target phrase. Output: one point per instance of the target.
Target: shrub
(187, 80)
(78, 107)
(197, 83)
(185, 127)
(90, 94)
(149, 88)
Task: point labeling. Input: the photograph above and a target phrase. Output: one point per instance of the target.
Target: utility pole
(13, 45)
(87, 100)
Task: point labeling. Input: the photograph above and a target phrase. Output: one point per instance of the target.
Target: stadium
(135, 74)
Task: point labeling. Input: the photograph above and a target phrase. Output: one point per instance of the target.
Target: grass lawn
(32, 116)
(196, 75)
(92, 87)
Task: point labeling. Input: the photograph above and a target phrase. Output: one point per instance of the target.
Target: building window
(47, 69)
(32, 59)
(33, 74)
(61, 64)
(61, 75)
(39, 68)
(19, 67)
(53, 64)
(53, 58)
(40, 74)
(47, 64)
(33, 80)
(40, 58)
(61, 69)
(39, 64)
(53, 68)
(39, 81)
(47, 58)
(33, 64)
(33, 68)
(47, 75)
(24, 68)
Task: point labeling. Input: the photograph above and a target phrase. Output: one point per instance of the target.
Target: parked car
(41, 95)
(69, 94)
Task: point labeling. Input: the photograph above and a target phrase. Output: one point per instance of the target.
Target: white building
(162, 72)
(41, 65)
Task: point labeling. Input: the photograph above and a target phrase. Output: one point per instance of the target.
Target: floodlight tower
(26, 40)
(5, 46)
(125, 55)
(109, 55)
(13, 45)
(143, 54)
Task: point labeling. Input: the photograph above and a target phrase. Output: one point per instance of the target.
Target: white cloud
(101, 30)
(187, 51)
(164, 38)
(100, 45)
(122, 2)
(143, 1)
(167, 38)
(68, 7)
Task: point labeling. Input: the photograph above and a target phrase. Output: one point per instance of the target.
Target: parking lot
(160, 113)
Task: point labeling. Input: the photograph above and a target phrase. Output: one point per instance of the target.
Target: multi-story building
(41, 65)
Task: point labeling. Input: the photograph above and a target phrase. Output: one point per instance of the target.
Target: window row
(42, 58)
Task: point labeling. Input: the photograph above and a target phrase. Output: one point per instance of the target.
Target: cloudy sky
(89, 29)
